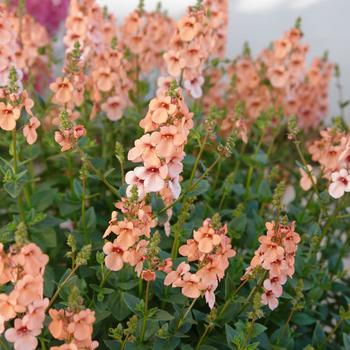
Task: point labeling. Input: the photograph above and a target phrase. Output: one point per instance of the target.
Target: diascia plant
(156, 194)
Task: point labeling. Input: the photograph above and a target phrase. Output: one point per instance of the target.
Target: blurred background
(326, 24)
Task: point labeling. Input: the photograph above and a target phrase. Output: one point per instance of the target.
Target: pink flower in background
(50, 13)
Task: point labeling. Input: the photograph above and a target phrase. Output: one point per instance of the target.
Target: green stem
(297, 145)
(54, 297)
(195, 166)
(99, 174)
(230, 299)
(252, 294)
(251, 168)
(83, 209)
(330, 335)
(143, 331)
(42, 344)
(3, 345)
(183, 318)
(15, 169)
(202, 338)
(192, 187)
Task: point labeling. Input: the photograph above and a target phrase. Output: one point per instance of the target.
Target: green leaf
(258, 329)
(202, 187)
(45, 238)
(131, 301)
(303, 319)
(162, 315)
(91, 219)
(264, 191)
(346, 341)
(318, 335)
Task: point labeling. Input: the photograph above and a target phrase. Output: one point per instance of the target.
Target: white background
(326, 24)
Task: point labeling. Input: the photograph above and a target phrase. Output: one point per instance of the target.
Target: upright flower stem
(99, 174)
(144, 325)
(15, 169)
(198, 158)
(54, 297)
(208, 170)
(83, 199)
(251, 167)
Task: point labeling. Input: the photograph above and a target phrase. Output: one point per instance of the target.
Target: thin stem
(251, 168)
(174, 248)
(54, 297)
(146, 311)
(42, 344)
(195, 166)
(306, 168)
(83, 209)
(191, 187)
(330, 335)
(99, 174)
(183, 318)
(252, 294)
(3, 345)
(201, 339)
(15, 169)
(229, 300)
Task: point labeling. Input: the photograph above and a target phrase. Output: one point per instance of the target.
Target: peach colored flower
(8, 116)
(63, 91)
(161, 108)
(145, 150)
(22, 337)
(188, 28)
(113, 107)
(115, 256)
(7, 307)
(58, 324)
(191, 285)
(174, 63)
(340, 183)
(34, 318)
(64, 139)
(81, 327)
(194, 86)
(29, 131)
(148, 275)
(175, 277)
(79, 131)
(153, 177)
(270, 299)
(32, 259)
(278, 76)
(29, 289)
(207, 238)
(305, 180)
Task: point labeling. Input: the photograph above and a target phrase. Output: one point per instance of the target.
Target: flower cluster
(68, 93)
(106, 69)
(276, 255)
(74, 327)
(133, 235)
(211, 249)
(218, 12)
(161, 150)
(332, 153)
(146, 35)
(279, 78)
(23, 42)
(190, 47)
(13, 99)
(23, 267)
